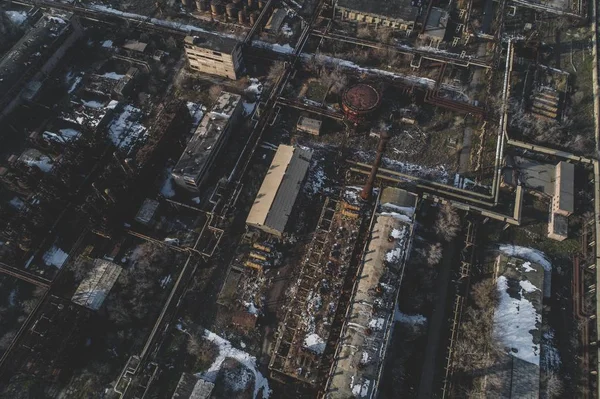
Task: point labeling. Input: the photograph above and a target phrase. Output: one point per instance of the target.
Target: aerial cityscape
(326, 199)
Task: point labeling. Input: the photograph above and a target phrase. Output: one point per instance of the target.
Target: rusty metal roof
(361, 98)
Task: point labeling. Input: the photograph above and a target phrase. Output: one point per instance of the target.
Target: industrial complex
(303, 199)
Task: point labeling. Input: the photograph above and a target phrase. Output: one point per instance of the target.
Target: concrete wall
(214, 62)
(353, 15)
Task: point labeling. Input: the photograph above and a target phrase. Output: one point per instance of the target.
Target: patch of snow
(57, 20)
(92, 104)
(124, 130)
(527, 286)
(73, 81)
(531, 255)
(376, 324)
(164, 282)
(278, 48)
(188, 29)
(55, 257)
(514, 321)
(17, 203)
(41, 161)
(196, 200)
(107, 44)
(550, 360)
(226, 350)
(12, 296)
(415, 320)
(527, 267)
(251, 308)
(64, 135)
(16, 17)
(112, 75)
(255, 89)
(398, 216)
(286, 30)
(167, 189)
(361, 389)
(314, 343)
(196, 113)
(406, 210)
(171, 241)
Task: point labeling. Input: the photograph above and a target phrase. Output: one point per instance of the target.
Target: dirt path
(436, 325)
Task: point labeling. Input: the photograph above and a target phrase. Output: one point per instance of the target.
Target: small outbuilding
(309, 125)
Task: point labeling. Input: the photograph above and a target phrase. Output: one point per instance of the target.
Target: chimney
(367, 190)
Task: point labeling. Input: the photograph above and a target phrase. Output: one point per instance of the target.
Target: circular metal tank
(185, 3)
(231, 10)
(359, 101)
(250, 3)
(261, 4)
(202, 5)
(242, 17)
(238, 3)
(216, 7)
(253, 17)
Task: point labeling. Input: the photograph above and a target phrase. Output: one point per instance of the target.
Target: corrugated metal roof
(279, 189)
(566, 186)
(95, 287)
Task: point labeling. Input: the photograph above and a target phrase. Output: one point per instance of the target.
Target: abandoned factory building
(399, 14)
(207, 141)
(277, 195)
(214, 55)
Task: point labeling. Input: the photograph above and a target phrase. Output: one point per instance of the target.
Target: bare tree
(275, 72)
(434, 254)
(447, 224)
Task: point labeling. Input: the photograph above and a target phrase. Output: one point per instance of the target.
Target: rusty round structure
(359, 101)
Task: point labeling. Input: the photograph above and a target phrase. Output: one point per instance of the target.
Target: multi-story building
(563, 201)
(206, 143)
(399, 14)
(214, 55)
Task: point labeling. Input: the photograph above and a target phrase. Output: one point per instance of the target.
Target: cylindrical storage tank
(185, 3)
(359, 101)
(231, 11)
(201, 5)
(241, 17)
(216, 7)
(252, 18)
(261, 4)
(238, 4)
(250, 3)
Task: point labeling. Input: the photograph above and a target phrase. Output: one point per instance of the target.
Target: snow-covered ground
(196, 112)
(40, 160)
(167, 189)
(314, 343)
(16, 17)
(55, 257)
(226, 350)
(531, 255)
(415, 320)
(515, 321)
(124, 130)
(254, 90)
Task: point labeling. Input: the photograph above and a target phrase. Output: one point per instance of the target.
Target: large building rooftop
(93, 290)
(207, 139)
(360, 354)
(30, 53)
(394, 9)
(277, 195)
(565, 186)
(212, 42)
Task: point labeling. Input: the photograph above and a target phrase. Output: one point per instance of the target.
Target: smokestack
(367, 190)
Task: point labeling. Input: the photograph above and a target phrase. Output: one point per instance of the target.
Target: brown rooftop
(361, 98)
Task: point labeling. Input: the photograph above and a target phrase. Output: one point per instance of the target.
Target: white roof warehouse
(279, 189)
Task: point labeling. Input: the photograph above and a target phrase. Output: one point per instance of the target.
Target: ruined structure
(207, 141)
(399, 14)
(213, 54)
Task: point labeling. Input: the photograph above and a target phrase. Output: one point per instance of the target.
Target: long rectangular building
(360, 353)
(207, 141)
(277, 195)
